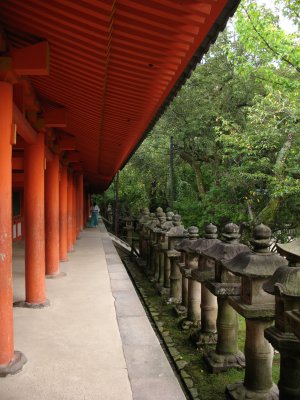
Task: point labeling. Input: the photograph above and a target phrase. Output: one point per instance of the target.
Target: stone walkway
(94, 342)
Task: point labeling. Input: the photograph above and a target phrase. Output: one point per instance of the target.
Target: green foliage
(235, 125)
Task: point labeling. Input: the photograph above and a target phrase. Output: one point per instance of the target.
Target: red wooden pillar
(70, 212)
(84, 209)
(34, 173)
(88, 209)
(74, 208)
(80, 196)
(52, 218)
(10, 361)
(63, 214)
(78, 206)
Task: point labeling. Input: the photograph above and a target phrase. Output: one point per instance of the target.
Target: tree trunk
(199, 178)
(196, 165)
(267, 214)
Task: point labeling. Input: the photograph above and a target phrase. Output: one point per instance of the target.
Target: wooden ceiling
(114, 65)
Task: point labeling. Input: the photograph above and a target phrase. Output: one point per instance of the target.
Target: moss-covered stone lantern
(258, 308)
(226, 355)
(206, 271)
(293, 318)
(285, 286)
(142, 221)
(169, 224)
(128, 228)
(190, 262)
(109, 213)
(173, 257)
(147, 237)
(156, 243)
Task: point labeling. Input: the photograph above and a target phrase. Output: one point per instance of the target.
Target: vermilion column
(80, 195)
(74, 231)
(84, 209)
(63, 214)
(10, 361)
(70, 212)
(78, 205)
(52, 217)
(88, 205)
(34, 169)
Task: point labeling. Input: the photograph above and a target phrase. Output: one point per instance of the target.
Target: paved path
(94, 342)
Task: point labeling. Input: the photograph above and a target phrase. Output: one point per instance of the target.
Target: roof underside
(114, 65)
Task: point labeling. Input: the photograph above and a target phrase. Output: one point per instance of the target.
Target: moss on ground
(209, 386)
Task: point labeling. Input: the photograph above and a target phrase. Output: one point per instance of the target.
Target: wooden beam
(77, 167)
(31, 60)
(73, 157)
(24, 129)
(18, 95)
(17, 179)
(65, 142)
(56, 117)
(18, 163)
(48, 154)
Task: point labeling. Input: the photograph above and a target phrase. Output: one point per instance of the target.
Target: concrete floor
(94, 341)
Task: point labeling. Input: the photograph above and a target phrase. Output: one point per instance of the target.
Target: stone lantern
(160, 215)
(258, 308)
(190, 262)
(206, 271)
(164, 276)
(109, 213)
(161, 249)
(285, 286)
(129, 229)
(172, 272)
(151, 242)
(144, 218)
(147, 238)
(226, 355)
(293, 318)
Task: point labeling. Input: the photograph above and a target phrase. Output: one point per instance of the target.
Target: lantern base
(187, 324)
(223, 362)
(237, 391)
(180, 310)
(203, 338)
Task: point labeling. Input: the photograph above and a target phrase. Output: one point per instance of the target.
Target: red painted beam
(24, 129)
(18, 163)
(56, 118)
(31, 60)
(66, 142)
(18, 179)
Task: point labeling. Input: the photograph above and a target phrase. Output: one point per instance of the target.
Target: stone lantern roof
(145, 215)
(167, 225)
(286, 279)
(169, 215)
(229, 247)
(184, 244)
(291, 251)
(177, 232)
(177, 220)
(258, 263)
(209, 239)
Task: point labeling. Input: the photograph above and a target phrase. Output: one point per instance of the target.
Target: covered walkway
(94, 341)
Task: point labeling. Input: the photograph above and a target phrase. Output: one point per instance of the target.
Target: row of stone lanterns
(198, 273)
